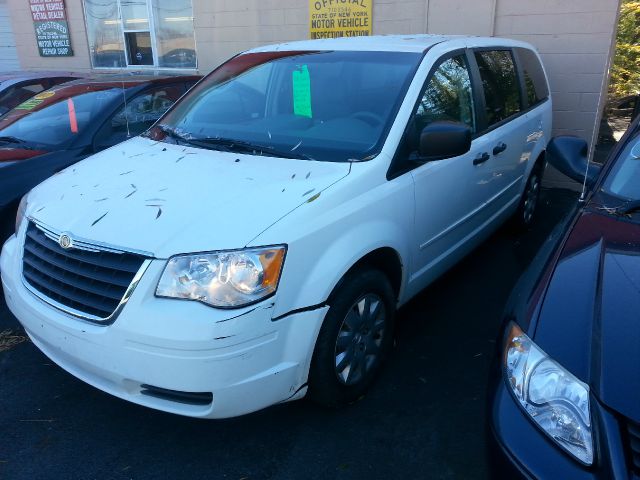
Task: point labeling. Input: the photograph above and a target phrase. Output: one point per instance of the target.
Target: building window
(141, 33)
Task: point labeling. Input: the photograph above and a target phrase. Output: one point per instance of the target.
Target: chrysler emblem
(65, 241)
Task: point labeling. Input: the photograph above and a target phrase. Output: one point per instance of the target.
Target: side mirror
(440, 140)
(569, 155)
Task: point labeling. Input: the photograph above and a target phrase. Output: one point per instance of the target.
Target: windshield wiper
(626, 208)
(173, 133)
(629, 207)
(240, 146)
(16, 140)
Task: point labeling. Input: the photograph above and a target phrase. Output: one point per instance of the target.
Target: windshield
(624, 178)
(55, 118)
(330, 106)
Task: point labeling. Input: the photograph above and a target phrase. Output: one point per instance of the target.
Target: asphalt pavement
(424, 417)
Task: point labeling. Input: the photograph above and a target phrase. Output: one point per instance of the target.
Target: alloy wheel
(360, 338)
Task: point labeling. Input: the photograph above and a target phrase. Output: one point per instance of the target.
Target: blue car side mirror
(570, 156)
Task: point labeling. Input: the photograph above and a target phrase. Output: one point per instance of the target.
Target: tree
(625, 72)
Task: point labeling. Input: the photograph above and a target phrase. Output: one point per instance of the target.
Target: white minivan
(253, 246)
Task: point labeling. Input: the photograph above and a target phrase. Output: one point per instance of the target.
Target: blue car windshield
(624, 178)
(330, 106)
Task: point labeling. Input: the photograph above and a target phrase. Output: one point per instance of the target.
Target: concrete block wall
(225, 27)
(574, 38)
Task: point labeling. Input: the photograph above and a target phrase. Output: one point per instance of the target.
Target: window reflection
(448, 95)
(501, 89)
(106, 43)
(174, 32)
(141, 32)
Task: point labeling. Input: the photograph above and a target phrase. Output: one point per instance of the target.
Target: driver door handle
(481, 158)
(499, 148)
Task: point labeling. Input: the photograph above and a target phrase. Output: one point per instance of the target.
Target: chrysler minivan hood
(167, 199)
(590, 317)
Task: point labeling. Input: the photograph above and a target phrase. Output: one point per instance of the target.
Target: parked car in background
(256, 241)
(566, 386)
(17, 87)
(67, 123)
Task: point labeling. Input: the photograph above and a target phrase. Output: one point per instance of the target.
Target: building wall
(8, 55)
(574, 37)
(27, 47)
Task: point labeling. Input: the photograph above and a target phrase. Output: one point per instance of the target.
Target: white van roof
(387, 43)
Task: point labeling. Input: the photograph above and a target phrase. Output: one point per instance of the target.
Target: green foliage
(625, 72)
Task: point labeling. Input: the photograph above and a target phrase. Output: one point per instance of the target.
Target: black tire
(523, 217)
(329, 385)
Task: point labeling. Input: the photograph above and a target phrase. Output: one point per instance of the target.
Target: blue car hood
(589, 320)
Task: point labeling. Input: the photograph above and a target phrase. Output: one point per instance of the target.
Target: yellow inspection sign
(339, 18)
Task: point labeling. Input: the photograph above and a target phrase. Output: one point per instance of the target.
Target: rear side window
(500, 83)
(533, 75)
(14, 96)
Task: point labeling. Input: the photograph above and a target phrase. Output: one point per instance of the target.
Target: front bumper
(516, 448)
(242, 357)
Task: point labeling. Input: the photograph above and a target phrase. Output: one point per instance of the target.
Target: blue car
(65, 124)
(564, 398)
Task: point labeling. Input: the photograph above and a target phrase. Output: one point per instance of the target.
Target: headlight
(556, 400)
(22, 210)
(223, 279)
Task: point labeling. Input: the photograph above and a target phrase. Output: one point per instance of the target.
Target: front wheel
(354, 340)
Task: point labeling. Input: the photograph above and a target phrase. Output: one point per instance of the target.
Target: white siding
(8, 52)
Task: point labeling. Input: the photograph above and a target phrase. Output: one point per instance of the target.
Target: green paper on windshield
(29, 104)
(302, 92)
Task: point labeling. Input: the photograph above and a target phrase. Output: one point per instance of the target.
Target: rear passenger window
(448, 95)
(533, 75)
(501, 89)
(14, 96)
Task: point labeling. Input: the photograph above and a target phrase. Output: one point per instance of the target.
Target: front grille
(633, 431)
(91, 282)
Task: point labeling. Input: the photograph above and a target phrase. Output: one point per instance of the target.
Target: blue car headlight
(554, 399)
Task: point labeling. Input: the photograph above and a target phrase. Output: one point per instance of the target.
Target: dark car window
(448, 95)
(140, 113)
(61, 121)
(19, 93)
(500, 83)
(533, 75)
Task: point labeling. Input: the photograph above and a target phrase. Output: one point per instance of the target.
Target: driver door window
(448, 96)
(139, 114)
